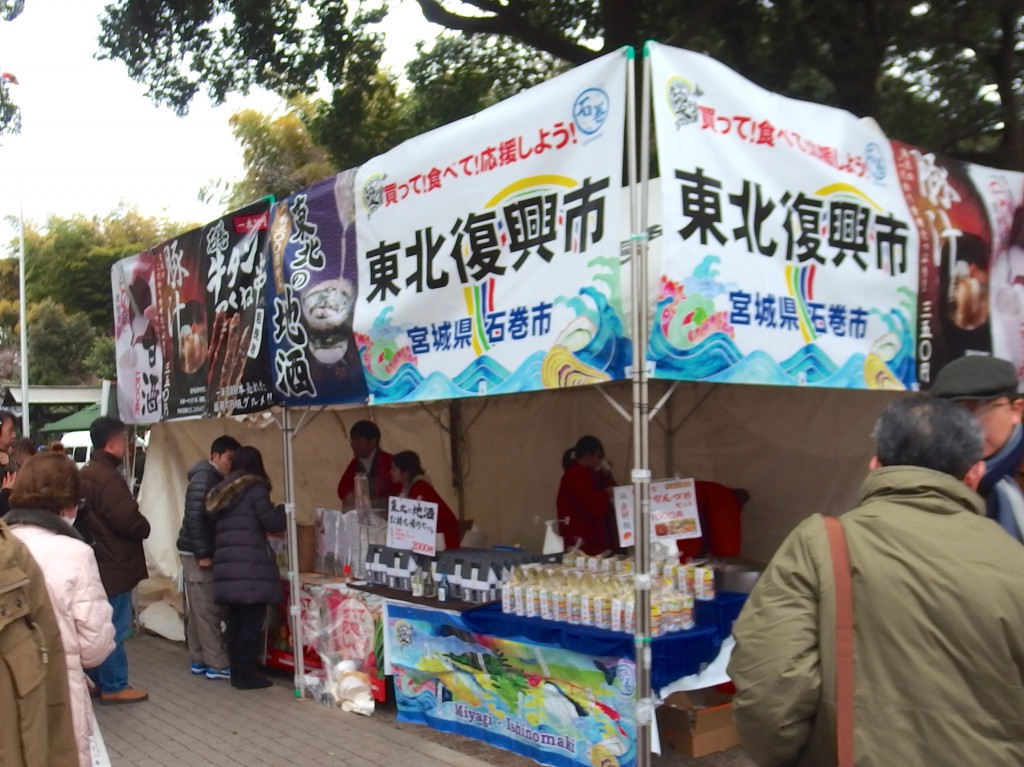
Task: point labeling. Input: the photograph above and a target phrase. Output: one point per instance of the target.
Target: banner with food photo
(789, 256)
(237, 360)
(489, 249)
(971, 231)
(313, 291)
(139, 352)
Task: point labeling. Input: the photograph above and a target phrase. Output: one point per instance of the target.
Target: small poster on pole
(623, 499)
(673, 511)
(412, 525)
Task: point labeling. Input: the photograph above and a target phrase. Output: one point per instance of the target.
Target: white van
(77, 444)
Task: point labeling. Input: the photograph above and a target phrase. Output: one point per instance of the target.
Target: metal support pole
(294, 602)
(23, 317)
(641, 474)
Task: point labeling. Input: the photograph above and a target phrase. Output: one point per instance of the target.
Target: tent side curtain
(794, 245)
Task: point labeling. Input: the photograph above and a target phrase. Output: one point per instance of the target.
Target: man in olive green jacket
(938, 603)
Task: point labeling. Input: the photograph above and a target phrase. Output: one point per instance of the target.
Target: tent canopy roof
(78, 421)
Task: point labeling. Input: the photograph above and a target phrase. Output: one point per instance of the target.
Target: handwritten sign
(673, 511)
(412, 525)
(623, 497)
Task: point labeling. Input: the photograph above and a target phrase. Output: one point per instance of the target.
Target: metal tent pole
(26, 426)
(294, 603)
(641, 474)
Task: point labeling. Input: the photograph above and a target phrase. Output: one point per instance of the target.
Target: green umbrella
(79, 421)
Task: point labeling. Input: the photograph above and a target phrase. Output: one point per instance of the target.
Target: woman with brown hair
(44, 503)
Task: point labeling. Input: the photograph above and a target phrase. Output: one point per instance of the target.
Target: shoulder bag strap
(844, 641)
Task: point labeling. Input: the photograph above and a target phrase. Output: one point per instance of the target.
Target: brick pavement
(195, 722)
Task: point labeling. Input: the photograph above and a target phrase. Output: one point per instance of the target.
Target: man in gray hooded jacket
(195, 547)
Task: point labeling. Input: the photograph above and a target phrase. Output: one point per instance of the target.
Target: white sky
(91, 139)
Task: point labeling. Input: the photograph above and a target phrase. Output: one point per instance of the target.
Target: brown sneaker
(129, 695)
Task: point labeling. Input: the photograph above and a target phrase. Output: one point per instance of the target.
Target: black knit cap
(977, 377)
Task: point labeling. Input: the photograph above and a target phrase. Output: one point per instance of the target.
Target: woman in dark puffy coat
(245, 574)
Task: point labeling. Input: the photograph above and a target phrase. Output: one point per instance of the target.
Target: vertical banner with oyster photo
(140, 359)
(312, 296)
(789, 255)
(489, 258)
(971, 293)
(237, 360)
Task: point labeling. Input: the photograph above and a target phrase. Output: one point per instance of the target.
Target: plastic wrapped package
(344, 630)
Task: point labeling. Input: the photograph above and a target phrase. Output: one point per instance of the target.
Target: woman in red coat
(407, 471)
(585, 498)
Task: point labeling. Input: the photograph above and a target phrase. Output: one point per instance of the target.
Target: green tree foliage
(457, 77)
(58, 344)
(279, 154)
(101, 362)
(68, 259)
(10, 112)
(9, 288)
(945, 73)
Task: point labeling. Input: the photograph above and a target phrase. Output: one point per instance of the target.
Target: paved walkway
(195, 722)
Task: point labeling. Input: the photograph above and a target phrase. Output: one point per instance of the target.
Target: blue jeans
(112, 674)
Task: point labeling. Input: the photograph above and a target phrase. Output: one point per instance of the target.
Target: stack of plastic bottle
(600, 592)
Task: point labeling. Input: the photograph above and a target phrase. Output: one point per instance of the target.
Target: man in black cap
(987, 386)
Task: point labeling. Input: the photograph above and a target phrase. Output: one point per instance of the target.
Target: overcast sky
(92, 140)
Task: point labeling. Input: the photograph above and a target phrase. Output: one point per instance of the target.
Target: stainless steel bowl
(734, 577)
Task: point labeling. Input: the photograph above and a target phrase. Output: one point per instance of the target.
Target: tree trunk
(1005, 70)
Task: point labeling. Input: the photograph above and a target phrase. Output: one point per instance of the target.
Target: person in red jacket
(408, 473)
(585, 498)
(370, 460)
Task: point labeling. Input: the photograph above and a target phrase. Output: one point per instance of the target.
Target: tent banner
(554, 705)
(970, 224)
(188, 322)
(489, 249)
(790, 255)
(140, 366)
(237, 362)
(313, 294)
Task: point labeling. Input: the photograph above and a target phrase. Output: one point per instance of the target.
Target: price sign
(412, 525)
(673, 511)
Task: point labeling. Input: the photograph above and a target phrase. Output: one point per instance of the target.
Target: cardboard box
(697, 723)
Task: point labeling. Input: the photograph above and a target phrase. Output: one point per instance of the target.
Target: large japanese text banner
(789, 255)
(489, 249)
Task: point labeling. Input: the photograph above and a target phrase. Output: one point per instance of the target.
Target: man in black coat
(195, 547)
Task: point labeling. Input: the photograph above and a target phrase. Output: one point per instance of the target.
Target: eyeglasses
(981, 409)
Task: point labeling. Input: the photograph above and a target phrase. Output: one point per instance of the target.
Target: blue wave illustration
(718, 359)
(483, 370)
(397, 388)
(609, 350)
(849, 376)
(715, 354)
(526, 378)
(810, 365)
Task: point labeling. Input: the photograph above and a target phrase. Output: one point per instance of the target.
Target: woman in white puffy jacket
(44, 501)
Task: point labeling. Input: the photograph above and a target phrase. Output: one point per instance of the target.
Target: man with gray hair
(938, 651)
